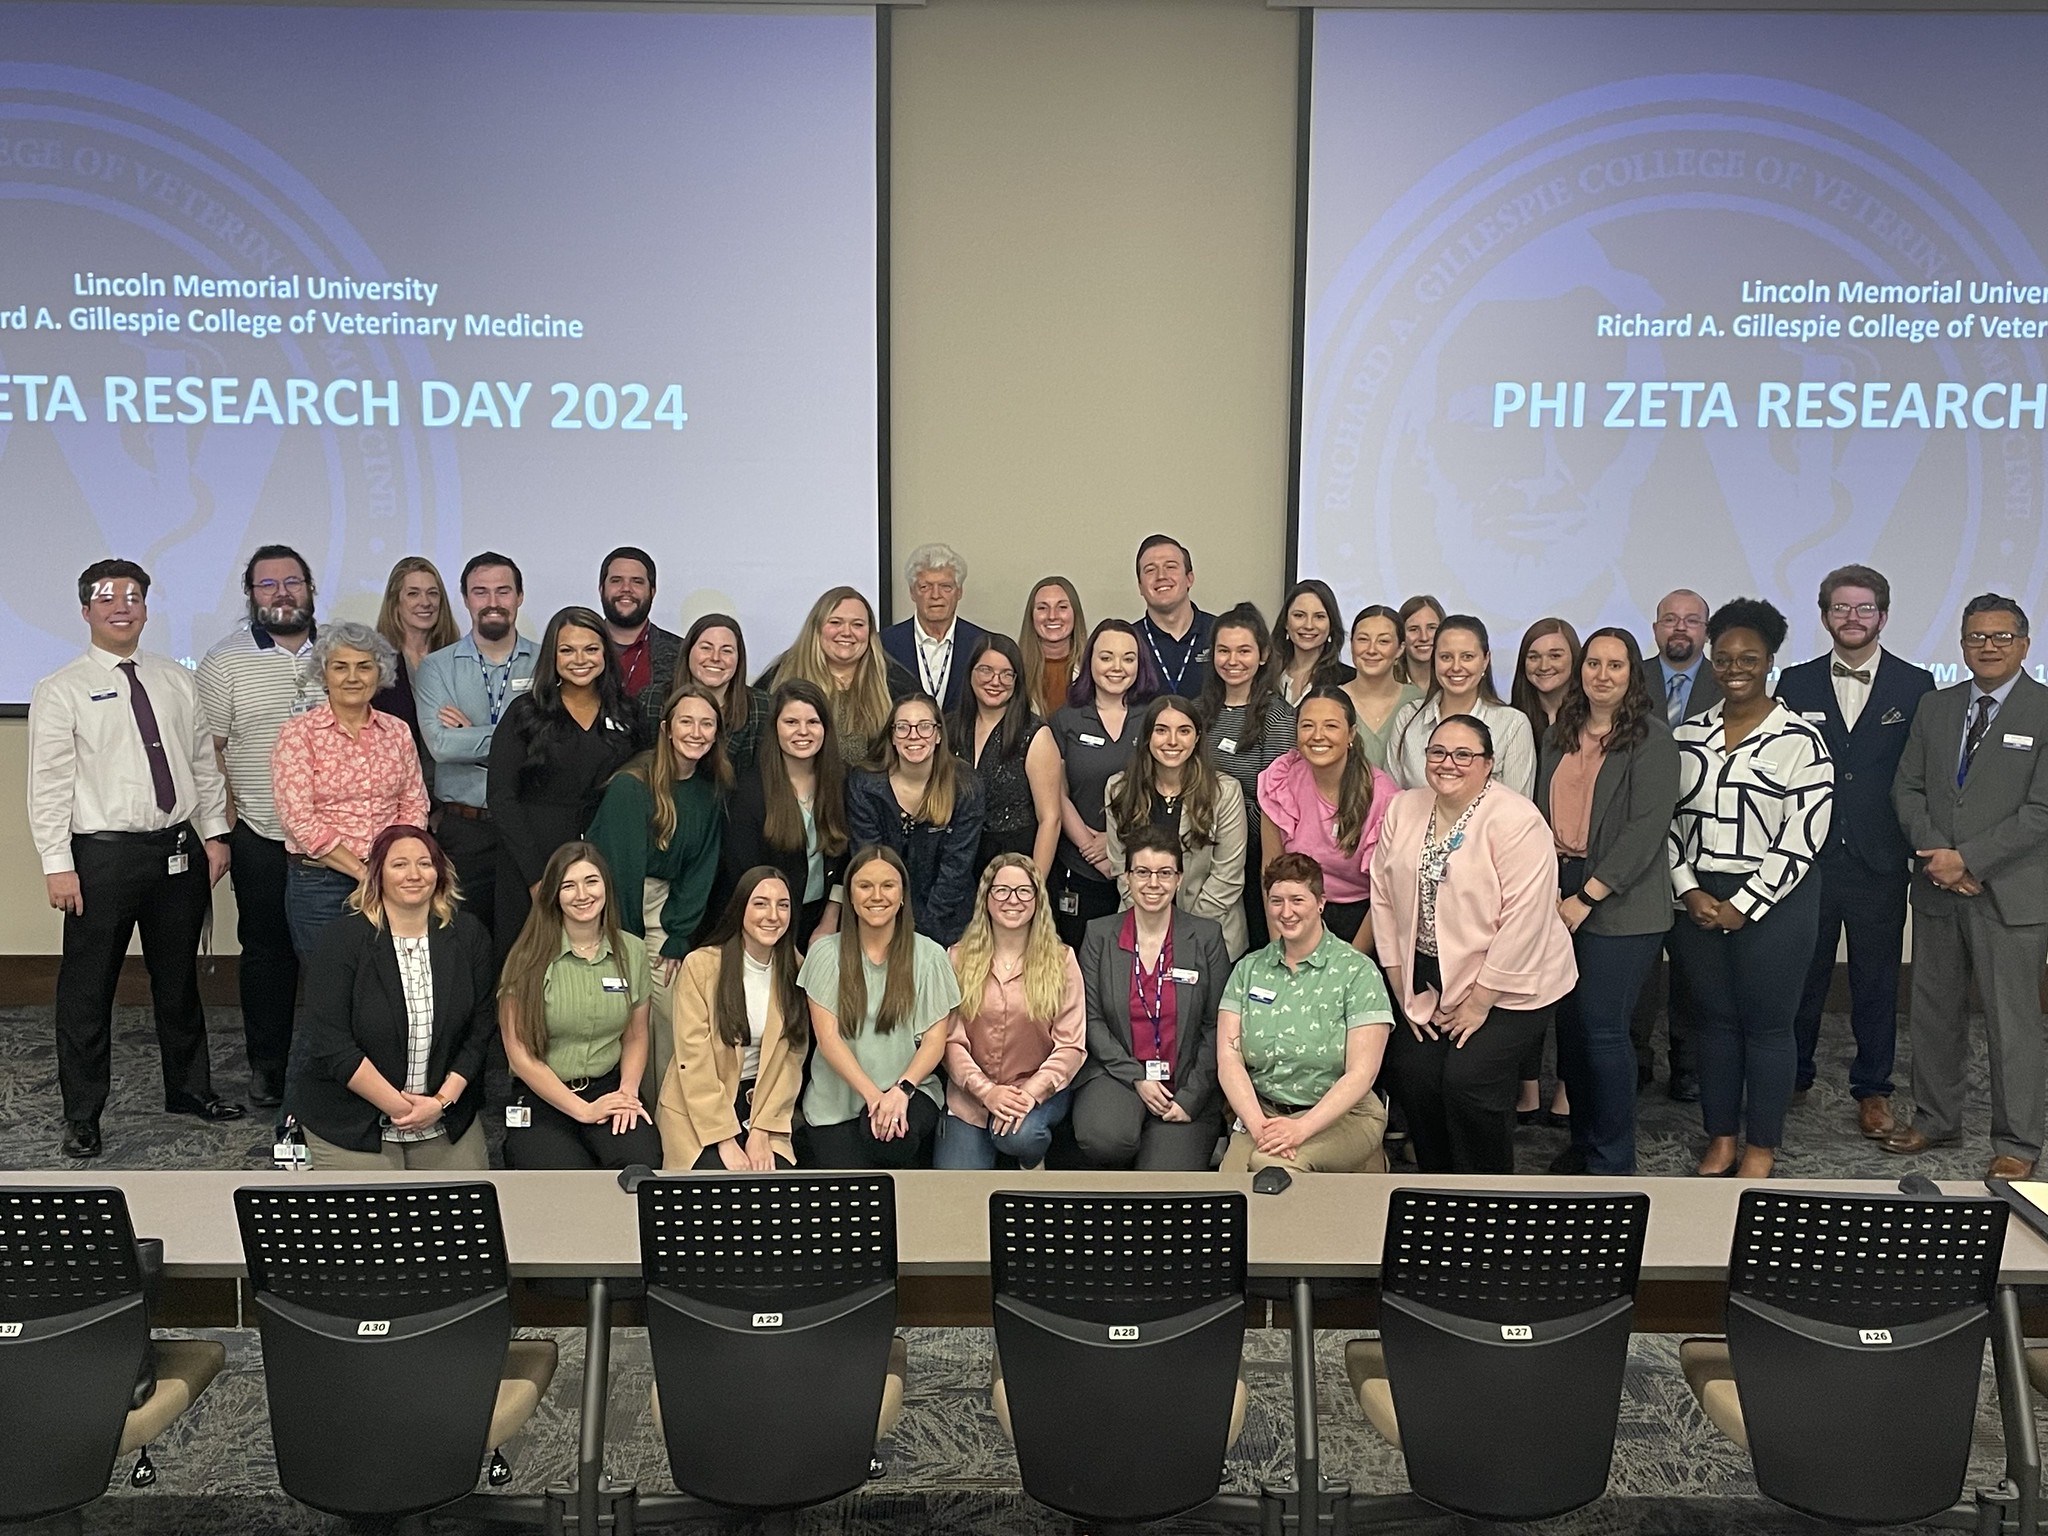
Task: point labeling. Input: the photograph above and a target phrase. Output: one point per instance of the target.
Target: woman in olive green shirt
(572, 1009)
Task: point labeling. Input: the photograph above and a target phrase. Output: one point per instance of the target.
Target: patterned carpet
(948, 1467)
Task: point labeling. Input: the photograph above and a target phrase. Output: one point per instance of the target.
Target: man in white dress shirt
(128, 810)
(934, 646)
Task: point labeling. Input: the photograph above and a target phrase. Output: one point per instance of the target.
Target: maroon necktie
(152, 738)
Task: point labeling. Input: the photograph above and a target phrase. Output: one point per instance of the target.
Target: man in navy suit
(934, 646)
(1862, 699)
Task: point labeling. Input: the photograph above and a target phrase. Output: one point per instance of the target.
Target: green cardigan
(624, 834)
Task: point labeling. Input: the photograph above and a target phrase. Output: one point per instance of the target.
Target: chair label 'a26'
(1874, 1336)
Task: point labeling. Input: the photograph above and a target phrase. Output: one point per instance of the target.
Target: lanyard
(1173, 681)
(495, 690)
(935, 685)
(1156, 1013)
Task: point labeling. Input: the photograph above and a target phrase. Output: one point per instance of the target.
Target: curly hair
(1751, 613)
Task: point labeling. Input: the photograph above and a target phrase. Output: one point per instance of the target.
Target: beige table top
(566, 1224)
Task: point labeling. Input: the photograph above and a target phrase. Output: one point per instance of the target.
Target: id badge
(1184, 976)
(290, 1154)
(1069, 903)
(1158, 1071)
(615, 984)
(178, 863)
(1262, 994)
(518, 1117)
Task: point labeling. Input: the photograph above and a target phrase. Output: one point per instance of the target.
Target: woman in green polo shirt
(1300, 1035)
(874, 1099)
(572, 1009)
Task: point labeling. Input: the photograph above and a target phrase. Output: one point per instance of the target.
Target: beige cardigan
(703, 1076)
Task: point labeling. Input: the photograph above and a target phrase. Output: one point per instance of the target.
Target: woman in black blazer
(388, 1064)
(1607, 782)
(1147, 1095)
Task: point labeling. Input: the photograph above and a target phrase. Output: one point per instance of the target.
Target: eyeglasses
(1153, 876)
(1981, 639)
(991, 675)
(1853, 610)
(1464, 757)
(917, 730)
(1012, 895)
(269, 588)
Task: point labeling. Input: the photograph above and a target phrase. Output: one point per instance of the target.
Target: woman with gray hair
(342, 772)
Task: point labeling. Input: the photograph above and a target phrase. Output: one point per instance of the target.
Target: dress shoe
(205, 1109)
(1571, 1162)
(266, 1087)
(1798, 1097)
(1685, 1087)
(2007, 1167)
(1874, 1117)
(1908, 1141)
(81, 1138)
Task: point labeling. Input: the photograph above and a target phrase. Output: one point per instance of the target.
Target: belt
(162, 835)
(466, 812)
(304, 862)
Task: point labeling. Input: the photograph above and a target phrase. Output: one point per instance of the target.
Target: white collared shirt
(935, 657)
(88, 770)
(1850, 695)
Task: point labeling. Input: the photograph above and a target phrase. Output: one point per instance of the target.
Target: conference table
(1324, 1232)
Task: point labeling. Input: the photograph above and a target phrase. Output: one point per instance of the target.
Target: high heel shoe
(1718, 1173)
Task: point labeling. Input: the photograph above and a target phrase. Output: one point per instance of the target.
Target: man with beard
(249, 685)
(1862, 699)
(1680, 682)
(647, 652)
(464, 690)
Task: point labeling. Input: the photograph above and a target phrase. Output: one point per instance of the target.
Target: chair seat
(184, 1369)
(2037, 1368)
(892, 1393)
(1712, 1379)
(1001, 1396)
(1365, 1362)
(529, 1367)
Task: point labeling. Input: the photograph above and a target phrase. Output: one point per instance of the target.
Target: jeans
(1595, 1056)
(314, 896)
(963, 1144)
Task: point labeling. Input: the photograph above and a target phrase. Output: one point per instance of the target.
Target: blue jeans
(314, 896)
(964, 1145)
(1595, 1056)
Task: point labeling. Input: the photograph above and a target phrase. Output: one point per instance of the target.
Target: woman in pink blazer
(1464, 919)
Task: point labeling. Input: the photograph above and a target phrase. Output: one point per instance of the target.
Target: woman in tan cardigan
(741, 1029)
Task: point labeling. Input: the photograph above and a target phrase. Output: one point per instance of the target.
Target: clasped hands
(1160, 1103)
(1945, 867)
(1710, 913)
(1460, 1023)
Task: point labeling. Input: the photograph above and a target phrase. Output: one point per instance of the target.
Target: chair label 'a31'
(10, 1330)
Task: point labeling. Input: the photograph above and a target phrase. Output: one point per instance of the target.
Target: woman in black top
(1094, 733)
(554, 752)
(1308, 648)
(1247, 727)
(1013, 755)
(789, 811)
(925, 805)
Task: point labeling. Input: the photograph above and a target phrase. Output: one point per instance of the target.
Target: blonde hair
(1045, 957)
(391, 624)
(857, 711)
(943, 783)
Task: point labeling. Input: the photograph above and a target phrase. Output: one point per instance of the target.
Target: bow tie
(1861, 674)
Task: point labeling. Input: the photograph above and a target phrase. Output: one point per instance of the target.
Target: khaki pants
(1352, 1145)
(434, 1155)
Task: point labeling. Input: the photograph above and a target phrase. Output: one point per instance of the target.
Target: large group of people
(1168, 892)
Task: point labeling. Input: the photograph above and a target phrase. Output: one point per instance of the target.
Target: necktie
(152, 738)
(1861, 674)
(1674, 698)
(1980, 724)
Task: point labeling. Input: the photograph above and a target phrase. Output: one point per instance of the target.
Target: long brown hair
(782, 818)
(391, 623)
(658, 767)
(1407, 611)
(859, 710)
(1137, 785)
(899, 993)
(1522, 694)
(941, 787)
(738, 700)
(1335, 643)
(1031, 675)
(1354, 787)
(729, 999)
(1631, 723)
(523, 985)
(1244, 616)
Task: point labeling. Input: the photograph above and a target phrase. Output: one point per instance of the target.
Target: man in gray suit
(1972, 796)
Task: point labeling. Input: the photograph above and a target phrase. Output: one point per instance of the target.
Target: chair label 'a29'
(10, 1330)
(372, 1330)
(767, 1319)
(1520, 1333)
(1123, 1333)
(1875, 1336)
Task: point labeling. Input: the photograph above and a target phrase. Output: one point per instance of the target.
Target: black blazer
(355, 1011)
(1706, 689)
(745, 844)
(1864, 832)
(899, 641)
(1633, 800)
(1106, 984)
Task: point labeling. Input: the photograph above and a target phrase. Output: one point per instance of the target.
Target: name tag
(1182, 973)
(2024, 743)
(1226, 745)
(1262, 994)
(521, 684)
(518, 1117)
(1158, 1071)
(177, 864)
(101, 698)
(1093, 741)
(1820, 716)
(615, 984)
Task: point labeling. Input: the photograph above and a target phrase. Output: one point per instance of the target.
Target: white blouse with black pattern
(1761, 811)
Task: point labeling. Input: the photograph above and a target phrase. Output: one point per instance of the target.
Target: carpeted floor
(948, 1468)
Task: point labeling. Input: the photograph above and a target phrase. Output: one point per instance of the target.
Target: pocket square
(1892, 717)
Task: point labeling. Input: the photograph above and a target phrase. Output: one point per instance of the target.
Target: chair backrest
(1119, 1313)
(1505, 1320)
(73, 1328)
(385, 1312)
(771, 1307)
(1842, 1309)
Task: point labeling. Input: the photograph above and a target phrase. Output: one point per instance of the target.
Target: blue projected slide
(1605, 303)
(380, 281)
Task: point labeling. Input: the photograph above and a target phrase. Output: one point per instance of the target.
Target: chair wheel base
(499, 1473)
(144, 1475)
(876, 1471)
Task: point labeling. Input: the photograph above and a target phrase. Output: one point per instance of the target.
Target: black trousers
(1460, 1100)
(1094, 898)
(126, 884)
(270, 966)
(556, 1141)
(850, 1144)
(472, 847)
(1678, 1014)
(1872, 908)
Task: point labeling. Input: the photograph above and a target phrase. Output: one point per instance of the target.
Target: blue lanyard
(495, 690)
(1172, 683)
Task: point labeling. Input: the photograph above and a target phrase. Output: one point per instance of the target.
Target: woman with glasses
(924, 804)
(1018, 1035)
(1755, 798)
(1153, 977)
(1172, 784)
(1013, 755)
(1464, 914)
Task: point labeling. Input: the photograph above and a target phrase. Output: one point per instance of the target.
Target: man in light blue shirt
(463, 691)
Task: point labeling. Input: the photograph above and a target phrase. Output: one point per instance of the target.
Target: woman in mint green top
(1377, 692)
(572, 1010)
(874, 1099)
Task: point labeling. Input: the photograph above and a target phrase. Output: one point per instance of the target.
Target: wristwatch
(447, 1105)
(1589, 898)
(906, 1085)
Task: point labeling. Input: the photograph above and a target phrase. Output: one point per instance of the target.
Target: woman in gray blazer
(1173, 783)
(1152, 978)
(1607, 782)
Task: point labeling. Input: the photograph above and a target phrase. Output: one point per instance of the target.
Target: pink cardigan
(1496, 910)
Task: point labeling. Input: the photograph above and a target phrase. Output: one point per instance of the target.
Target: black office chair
(386, 1317)
(771, 1316)
(1504, 1328)
(1855, 1347)
(74, 1329)
(1119, 1337)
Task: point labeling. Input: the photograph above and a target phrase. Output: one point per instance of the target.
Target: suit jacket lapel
(1187, 999)
(1120, 967)
(386, 964)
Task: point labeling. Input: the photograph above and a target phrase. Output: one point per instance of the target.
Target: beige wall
(1092, 219)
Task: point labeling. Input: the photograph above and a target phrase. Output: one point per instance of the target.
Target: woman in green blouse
(572, 1009)
(662, 845)
(874, 1099)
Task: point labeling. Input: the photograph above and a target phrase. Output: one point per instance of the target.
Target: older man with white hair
(933, 647)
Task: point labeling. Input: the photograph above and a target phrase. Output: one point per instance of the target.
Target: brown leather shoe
(1874, 1117)
(2003, 1167)
(1907, 1141)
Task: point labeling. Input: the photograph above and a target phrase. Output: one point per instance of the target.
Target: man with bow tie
(1861, 698)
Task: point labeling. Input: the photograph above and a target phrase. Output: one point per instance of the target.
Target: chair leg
(499, 1473)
